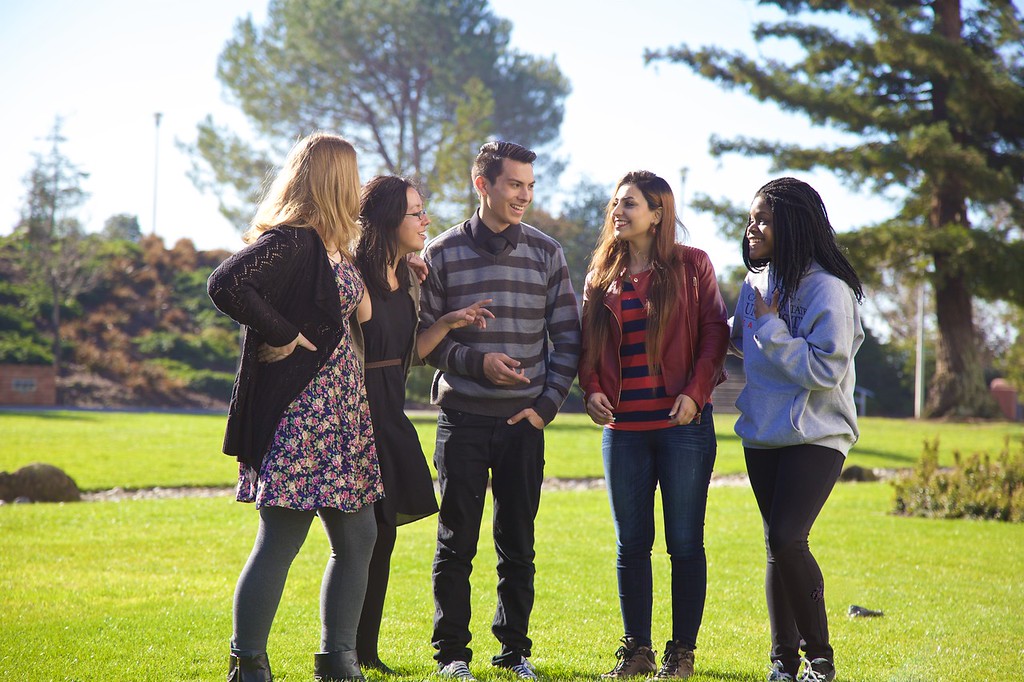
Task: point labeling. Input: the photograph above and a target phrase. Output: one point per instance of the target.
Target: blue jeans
(679, 459)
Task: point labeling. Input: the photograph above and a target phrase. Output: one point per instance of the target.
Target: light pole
(919, 355)
(683, 172)
(156, 166)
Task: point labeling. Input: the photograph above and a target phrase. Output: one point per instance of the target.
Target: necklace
(638, 263)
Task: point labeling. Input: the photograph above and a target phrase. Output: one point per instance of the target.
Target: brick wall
(27, 385)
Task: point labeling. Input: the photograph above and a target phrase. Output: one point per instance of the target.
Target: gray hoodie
(799, 364)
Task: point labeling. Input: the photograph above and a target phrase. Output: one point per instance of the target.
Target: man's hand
(268, 353)
(417, 265)
(530, 415)
(600, 409)
(501, 370)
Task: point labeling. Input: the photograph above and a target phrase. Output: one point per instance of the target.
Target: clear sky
(106, 66)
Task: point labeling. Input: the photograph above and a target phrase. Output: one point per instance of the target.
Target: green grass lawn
(138, 450)
(141, 590)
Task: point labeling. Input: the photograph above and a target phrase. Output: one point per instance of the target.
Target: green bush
(979, 487)
(206, 381)
(213, 348)
(21, 349)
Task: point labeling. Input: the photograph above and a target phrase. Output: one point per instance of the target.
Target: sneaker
(456, 670)
(676, 664)
(523, 669)
(778, 673)
(818, 670)
(633, 660)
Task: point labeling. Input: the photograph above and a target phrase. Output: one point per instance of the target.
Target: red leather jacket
(693, 350)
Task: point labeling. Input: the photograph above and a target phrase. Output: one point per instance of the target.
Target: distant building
(1006, 397)
(28, 385)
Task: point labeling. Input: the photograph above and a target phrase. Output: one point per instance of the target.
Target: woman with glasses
(394, 225)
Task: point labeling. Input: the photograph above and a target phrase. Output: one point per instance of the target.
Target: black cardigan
(276, 287)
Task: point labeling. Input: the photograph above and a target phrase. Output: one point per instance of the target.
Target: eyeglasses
(418, 214)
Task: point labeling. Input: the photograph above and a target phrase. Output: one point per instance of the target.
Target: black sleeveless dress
(387, 335)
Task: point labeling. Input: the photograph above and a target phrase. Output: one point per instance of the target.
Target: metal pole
(156, 165)
(919, 360)
(681, 203)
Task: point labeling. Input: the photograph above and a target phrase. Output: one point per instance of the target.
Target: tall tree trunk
(55, 321)
(958, 387)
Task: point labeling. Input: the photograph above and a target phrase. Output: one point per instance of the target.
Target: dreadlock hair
(610, 259)
(802, 233)
(383, 203)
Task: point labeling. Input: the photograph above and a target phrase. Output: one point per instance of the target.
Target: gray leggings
(280, 536)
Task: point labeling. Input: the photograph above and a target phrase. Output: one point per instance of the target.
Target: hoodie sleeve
(821, 353)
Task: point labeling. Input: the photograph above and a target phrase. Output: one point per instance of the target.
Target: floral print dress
(323, 453)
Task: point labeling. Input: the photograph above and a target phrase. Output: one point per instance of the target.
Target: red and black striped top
(643, 404)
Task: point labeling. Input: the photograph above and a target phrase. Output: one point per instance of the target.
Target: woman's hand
(762, 307)
(268, 353)
(684, 410)
(600, 409)
(474, 314)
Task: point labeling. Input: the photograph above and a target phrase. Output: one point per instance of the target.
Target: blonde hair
(316, 188)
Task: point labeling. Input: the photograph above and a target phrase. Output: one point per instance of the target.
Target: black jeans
(468, 448)
(791, 485)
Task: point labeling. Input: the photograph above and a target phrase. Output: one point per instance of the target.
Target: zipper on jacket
(618, 395)
(693, 335)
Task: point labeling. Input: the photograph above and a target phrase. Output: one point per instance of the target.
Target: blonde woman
(299, 422)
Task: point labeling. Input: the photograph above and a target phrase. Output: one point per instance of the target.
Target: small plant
(977, 487)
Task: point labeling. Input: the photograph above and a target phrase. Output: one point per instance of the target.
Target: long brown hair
(317, 188)
(610, 259)
(382, 208)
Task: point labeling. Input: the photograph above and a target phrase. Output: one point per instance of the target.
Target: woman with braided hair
(797, 327)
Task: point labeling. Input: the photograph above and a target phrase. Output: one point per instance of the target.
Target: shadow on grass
(885, 454)
(51, 415)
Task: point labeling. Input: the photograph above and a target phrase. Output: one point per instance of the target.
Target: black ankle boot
(374, 663)
(249, 668)
(337, 666)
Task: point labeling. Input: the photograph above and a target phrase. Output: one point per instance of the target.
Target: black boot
(337, 666)
(249, 668)
(376, 664)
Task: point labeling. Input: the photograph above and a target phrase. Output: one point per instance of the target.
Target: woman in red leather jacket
(654, 343)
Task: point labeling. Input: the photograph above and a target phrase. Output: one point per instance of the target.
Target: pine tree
(57, 258)
(933, 91)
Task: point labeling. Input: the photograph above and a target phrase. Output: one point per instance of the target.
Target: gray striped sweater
(536, 322)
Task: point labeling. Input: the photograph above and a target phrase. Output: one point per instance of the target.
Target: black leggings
(281, 534)
(791, 485)
(376, 590)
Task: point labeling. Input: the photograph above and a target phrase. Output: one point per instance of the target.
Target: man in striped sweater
(497, 388)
